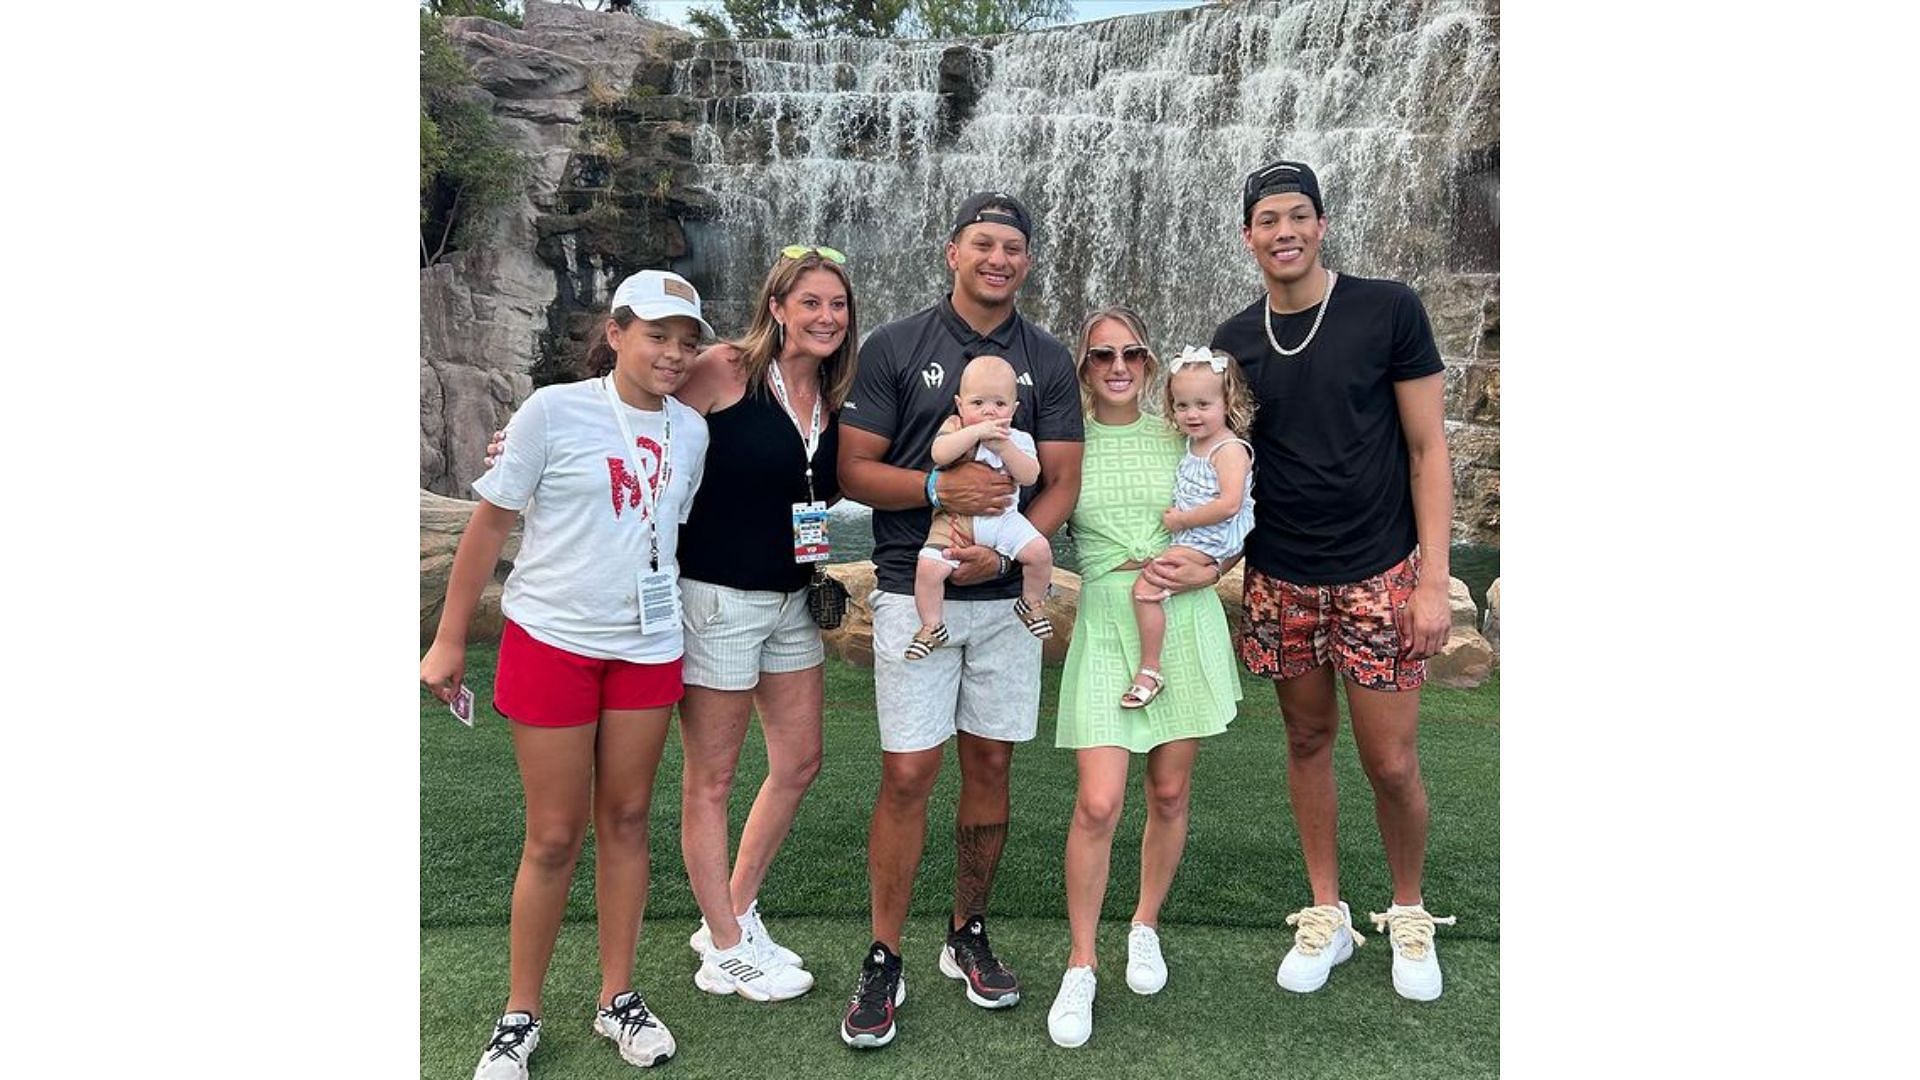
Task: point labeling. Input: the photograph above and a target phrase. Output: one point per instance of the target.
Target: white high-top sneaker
(1323, 936)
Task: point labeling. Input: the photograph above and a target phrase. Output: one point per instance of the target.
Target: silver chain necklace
(1326, 301)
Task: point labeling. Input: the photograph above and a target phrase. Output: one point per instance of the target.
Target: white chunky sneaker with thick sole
(1070, 1020)
(701, 939)
(1416, 967)
(1323, 936)
(505, 1058)
(751, 970)
(643, 1040)
(1146, 968)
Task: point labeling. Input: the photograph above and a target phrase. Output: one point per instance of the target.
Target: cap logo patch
(675, 287)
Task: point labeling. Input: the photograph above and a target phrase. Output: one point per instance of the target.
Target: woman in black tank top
(772, 402)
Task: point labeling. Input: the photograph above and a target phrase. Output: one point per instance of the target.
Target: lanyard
(650, 494)
(810, 441)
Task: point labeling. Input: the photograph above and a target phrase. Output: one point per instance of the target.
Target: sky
(674, 11)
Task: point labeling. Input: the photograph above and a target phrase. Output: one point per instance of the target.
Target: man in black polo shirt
(984, 686)
(1347, 562)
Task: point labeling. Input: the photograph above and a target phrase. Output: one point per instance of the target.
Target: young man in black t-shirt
(1347, 562)
(983, 688)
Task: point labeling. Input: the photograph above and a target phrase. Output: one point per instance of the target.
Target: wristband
(933, 497)
(1006, 565)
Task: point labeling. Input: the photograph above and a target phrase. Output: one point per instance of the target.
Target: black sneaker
(882, 989)
(969, 958)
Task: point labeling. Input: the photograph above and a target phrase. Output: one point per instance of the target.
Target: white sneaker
(643, 1040)
(751, 920)
(1416, 966)
(505, 1058)
(751, 970)
(702, 938)
(1323, 936)
(1070, 1021)
(1146, 968)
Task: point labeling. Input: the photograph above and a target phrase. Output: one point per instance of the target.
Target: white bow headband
(1193, 354)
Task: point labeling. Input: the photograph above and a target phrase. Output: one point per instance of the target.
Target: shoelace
(873, 994)
(1316, 927)
(1410, 929)
(975, 951)
(507, 1040)
(632, 1016)
(1144, 941)
(1077, 990)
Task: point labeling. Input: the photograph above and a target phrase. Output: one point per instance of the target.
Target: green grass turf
(1223, 924)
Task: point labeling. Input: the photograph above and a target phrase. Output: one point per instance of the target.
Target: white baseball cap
(657, 294)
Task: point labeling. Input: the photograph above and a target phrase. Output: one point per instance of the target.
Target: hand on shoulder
(714, 379)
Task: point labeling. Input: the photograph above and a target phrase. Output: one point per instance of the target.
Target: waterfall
(1127, 138)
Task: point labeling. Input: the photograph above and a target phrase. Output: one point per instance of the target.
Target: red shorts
(1292, 629)
(543, 686)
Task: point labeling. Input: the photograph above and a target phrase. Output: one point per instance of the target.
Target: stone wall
(579, 93)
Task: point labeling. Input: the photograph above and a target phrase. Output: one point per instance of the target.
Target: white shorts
(984, 681)
(733, 636)
(1005, 533)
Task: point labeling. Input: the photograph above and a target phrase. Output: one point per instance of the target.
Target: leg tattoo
(977, 856)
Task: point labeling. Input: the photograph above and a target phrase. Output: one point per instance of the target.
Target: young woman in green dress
(1127, 480)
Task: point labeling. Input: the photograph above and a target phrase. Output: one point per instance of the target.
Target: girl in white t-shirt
(603, 472)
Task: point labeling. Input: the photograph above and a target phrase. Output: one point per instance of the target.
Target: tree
(467, 167)
(875, 18)
(500, 11)
(979, 18)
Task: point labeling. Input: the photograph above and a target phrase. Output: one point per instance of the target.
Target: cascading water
(1127, 138)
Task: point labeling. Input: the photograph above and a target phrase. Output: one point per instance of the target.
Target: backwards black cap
(992, 208)
(1280, 178)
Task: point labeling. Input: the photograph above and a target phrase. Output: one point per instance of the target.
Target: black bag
(826, 600)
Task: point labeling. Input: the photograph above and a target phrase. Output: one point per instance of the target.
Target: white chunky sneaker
(751, 970)
(751, 920)
(505, 1058)
(643, 1040)
(1416, 967)
(1146, 968)
(1070, 1021)
(1323, 936)
(702, 938)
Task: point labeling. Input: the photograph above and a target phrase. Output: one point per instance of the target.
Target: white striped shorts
(733, 636)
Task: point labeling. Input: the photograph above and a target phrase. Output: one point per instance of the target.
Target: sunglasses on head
(801, 251)
(1103, 354)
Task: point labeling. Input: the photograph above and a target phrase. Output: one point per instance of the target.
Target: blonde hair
(1235, 394)
(1149, 375)
(762, 341)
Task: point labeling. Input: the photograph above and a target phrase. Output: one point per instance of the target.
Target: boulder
(442, 520)
(1232, 590)
(1464, 663)
(1491, 627)
(852, 642)
(1460, 600)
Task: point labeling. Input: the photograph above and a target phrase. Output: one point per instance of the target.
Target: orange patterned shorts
(1292, 629)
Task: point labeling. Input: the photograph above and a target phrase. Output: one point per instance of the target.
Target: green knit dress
(1126, 481)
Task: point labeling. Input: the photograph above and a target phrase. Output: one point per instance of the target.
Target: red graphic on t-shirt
(625, 483)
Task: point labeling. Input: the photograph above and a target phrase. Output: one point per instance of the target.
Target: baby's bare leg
(1036, 570)
(930, 590)
(1151, 618)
